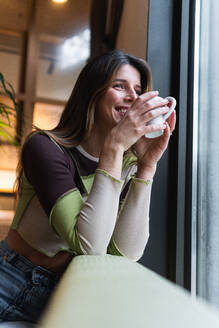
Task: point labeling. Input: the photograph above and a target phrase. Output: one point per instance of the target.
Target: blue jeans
(25, 288)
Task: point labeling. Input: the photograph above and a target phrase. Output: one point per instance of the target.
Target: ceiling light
(59, 1)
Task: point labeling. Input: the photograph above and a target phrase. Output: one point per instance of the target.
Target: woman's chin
(118, 117)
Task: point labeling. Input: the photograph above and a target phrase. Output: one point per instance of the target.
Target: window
(34, 59)
(208, 154)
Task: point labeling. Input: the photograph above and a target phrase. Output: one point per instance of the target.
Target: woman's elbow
(93, 248)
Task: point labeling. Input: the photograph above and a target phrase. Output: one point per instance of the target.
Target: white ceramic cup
(161, 119)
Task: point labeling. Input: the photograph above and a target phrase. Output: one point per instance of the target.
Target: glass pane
(64, 46)
(55, 79)
(208, 172)
(10, 58)
(46, 116)
(8, 157)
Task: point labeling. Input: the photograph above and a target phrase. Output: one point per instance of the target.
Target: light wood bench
(114, 292)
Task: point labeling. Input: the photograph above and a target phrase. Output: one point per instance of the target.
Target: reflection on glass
(46, 116)
(54, 82)
(60, 64)
(76, 49)
(64, 48)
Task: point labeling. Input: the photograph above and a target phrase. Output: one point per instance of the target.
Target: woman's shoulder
(40, 147)
(40, 141)
(36, 138)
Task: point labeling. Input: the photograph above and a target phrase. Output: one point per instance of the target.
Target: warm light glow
(46, 116)
(59, 1)
(7, 179)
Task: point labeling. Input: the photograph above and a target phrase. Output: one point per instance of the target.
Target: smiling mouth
(121, 110)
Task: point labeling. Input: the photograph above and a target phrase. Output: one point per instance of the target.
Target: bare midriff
(57, 263)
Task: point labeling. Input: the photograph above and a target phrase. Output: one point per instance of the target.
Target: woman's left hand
(149, 151)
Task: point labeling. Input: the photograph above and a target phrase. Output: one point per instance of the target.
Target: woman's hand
(131, 130)
(134, 124)
(149, 151)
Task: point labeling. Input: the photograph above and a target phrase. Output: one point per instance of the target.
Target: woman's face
(120, 95)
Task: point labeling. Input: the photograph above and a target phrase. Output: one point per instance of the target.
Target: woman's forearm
(132, 228)
(97, 219)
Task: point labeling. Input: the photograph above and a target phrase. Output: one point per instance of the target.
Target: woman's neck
(94, 143)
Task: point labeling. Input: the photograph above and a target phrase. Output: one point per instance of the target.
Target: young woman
(84, 187)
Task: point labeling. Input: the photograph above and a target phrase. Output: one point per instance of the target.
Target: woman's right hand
(134, 124)
(130, 129)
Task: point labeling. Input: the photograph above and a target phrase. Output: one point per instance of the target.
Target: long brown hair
(77, 118)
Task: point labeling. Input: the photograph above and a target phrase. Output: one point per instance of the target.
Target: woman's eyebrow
(123, 80)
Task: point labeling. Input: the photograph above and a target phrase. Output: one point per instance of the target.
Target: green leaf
(5, 135)
(7, 115)
(9, 112)
(6, 106)
(8, 137)
(3, 124)
(6, 86)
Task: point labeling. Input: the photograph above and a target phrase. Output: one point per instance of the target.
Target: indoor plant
(7, 113)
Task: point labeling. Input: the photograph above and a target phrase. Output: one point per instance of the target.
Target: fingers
(147, 102)
(156, 102)
(170, 126)
(164, 139)
(172, 121)
(154, 128)
(153, 114)
(148, 95)
(145, 115)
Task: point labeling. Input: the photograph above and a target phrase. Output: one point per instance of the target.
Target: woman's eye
(119, 86)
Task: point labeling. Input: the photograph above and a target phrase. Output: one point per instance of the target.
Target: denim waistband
(24, 265)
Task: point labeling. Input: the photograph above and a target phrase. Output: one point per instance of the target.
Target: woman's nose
(131, 95)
